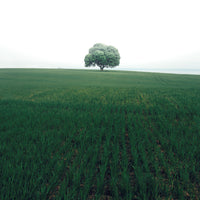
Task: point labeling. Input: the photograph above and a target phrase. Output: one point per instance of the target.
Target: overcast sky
(146, 32)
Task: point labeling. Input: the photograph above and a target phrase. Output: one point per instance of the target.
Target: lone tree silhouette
(102, 56)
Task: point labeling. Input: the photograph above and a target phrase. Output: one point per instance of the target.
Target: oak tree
(102, 56)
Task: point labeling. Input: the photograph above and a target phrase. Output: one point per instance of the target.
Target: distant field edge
(105, 71)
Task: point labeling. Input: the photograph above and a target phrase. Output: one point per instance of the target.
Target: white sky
(62, 31)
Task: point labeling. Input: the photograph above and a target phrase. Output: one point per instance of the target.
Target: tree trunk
(101, 67)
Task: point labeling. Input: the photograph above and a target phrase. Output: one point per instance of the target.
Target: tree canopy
(102, 56)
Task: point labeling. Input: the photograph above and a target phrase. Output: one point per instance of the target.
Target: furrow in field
(105, 171)
(129, 155)
(55, 191)
(107, 179)
(93, 188)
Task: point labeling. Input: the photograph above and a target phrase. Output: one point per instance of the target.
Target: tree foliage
(102, 56)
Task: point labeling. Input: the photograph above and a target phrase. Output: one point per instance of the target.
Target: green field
(86, 134)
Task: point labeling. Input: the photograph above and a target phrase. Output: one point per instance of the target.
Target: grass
(80, 134)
